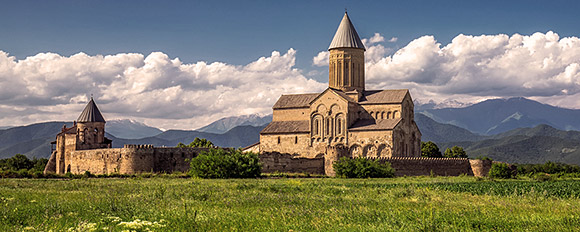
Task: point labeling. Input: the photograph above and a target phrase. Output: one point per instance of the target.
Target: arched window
(328, 126)
(339, 126)
(389, 115)
(315, 127)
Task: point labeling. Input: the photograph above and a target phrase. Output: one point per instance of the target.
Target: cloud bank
(540, 66)
(168, 93)
(158, 90)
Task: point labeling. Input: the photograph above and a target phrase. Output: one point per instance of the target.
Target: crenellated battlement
(138, 146)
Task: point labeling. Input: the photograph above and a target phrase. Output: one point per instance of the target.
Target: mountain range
(512, 130)
(225, 124)
(500, 115)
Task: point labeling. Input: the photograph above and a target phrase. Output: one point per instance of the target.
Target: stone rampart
(422, 166)
(174, 159)
(480, 167)
(278, 162)
(132, 159)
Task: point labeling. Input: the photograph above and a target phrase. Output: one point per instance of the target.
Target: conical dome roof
(91, 113)
(346, 36)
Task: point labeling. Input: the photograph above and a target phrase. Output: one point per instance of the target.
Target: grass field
(323, 204)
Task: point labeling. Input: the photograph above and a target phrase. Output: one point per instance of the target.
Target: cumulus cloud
(538, 66)
(393, 39)
(321, 59)
(156, 89)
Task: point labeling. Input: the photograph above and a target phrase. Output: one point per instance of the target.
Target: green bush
(548, 167)
(501, 171)
(362, 168)
(225, 163)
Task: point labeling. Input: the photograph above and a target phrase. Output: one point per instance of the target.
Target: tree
(197, 142)
(17, 162)
(430, 149)
(455, 152)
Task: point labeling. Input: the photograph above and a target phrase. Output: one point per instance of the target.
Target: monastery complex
(308, 133)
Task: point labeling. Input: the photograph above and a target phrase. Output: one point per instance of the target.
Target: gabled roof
(295, 101)
(371, 124)
(346, 36)
(281, 127)
(337, 92)
(384, 96)
(91, 113)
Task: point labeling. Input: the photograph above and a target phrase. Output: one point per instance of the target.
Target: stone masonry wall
(421, 166)
(277, 162)
(132, 159)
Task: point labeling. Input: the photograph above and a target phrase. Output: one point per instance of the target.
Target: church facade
(346, 119)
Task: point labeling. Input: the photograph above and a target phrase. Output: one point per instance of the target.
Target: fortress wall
(96, 161)
(277, 162)
(480, 167)
(421, 166)
(174, 159)
(137, 159)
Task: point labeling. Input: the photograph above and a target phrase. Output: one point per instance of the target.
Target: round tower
(90, 127)
(346, 70)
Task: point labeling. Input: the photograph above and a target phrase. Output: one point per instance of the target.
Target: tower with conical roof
(346, 61)
(90, 127)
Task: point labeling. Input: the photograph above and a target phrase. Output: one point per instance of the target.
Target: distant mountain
(34, 140)
(526, 145)
(225, 124)
(440, 132)
(500, 115)
(130, 129)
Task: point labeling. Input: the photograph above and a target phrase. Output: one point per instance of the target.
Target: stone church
(346, 116)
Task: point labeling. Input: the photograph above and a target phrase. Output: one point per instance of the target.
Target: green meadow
(289, 204)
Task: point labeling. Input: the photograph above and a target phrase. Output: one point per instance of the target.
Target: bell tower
(346, 70)
(91, 128)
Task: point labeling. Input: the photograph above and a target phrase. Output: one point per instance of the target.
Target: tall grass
(400, 204)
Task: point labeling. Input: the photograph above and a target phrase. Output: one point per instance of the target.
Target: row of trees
(430, 149)
(21, 162)
(197, 142)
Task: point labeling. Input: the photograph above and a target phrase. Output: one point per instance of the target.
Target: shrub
(500, 170)
(225, 163)
(362, 168)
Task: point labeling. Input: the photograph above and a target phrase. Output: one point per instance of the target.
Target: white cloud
(155, 89)
(321, 59)
(540, 66)
(393, 39)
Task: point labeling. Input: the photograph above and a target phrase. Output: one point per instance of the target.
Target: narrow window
(339, 126)
(295, 139)
(278, 139)
(315, 129)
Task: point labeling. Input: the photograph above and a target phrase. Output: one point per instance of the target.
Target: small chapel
(358, 121)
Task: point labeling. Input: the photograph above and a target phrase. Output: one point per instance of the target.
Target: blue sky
(55, 53)
(239, 32)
